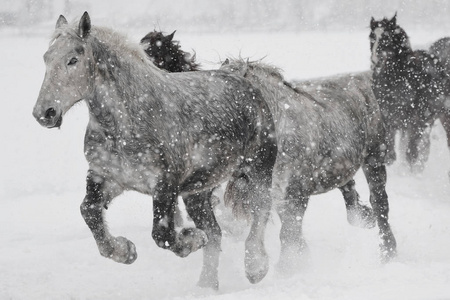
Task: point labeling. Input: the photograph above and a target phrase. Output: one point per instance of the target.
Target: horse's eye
(73, 61)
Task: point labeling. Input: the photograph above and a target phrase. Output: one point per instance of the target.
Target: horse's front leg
(99, 193)
(164, 203)
(200, 209)
(375, 173)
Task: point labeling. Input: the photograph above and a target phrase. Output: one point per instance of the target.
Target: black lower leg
(376, 177)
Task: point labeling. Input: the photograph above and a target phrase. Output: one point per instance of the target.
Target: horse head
(67, 78)
(387, 40)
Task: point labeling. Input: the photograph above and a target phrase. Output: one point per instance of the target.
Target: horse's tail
(248, 191)
(237, 196)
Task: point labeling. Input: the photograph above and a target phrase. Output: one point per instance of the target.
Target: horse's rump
(323, 126)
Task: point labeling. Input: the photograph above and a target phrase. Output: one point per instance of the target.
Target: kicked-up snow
(47, 251)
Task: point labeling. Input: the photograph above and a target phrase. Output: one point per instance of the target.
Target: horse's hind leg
(256, 259)
(99, 193)
(445, 121)
(248, 191)
(199, 208)
(291, 212)
(391, 156)
(418, 146)
(357, 214)
(375, 172)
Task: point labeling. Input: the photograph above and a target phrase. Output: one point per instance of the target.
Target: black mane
(166, 53)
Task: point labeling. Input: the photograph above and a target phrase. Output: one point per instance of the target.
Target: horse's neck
(393, 68)
(115, 103)
(105, 110)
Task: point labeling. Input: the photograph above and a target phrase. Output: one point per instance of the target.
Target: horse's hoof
(190, 240)
(255, 277)
(124, 251)
(293, 258)
(417, 168)
(388, 248)
(387, 254)
(256, 268)
(208, 283)
(361, 216)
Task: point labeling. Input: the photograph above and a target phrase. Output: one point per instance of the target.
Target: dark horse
(162, 134)
(166, 53)
(441, 50)
(408, 86)
(326, 130)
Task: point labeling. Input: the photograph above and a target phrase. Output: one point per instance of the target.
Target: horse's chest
(134, 169)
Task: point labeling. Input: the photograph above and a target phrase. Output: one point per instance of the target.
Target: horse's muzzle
(49, 118)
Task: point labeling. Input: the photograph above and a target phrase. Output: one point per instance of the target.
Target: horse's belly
(209, 174)
(326, 180)
(313, 179)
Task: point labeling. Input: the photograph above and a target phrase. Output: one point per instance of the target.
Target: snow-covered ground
(47, 251)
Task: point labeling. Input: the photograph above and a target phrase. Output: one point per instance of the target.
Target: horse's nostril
(50, 113)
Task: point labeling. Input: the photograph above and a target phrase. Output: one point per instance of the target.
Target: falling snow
(47, 252)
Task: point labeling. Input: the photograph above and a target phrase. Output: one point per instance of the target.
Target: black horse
(409, 87)
(166, 53)
(441, 50)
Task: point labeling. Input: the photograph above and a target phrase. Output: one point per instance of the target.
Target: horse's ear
(226, 62)
(170, 36)
(61, 21)
(373, 23)
(394, 19)
(84, 27)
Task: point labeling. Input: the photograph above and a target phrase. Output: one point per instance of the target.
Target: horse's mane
(168, 55)
(257, 66)
(265, 70)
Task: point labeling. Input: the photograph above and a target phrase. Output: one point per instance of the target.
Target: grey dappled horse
(326, 130)
(162, 134)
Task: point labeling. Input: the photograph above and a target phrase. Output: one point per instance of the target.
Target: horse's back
(441, 49)
(348, 92)
(338, 120)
